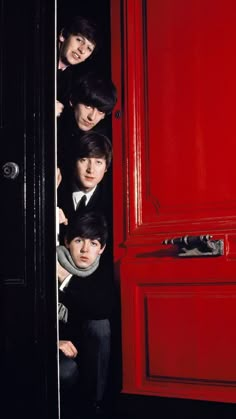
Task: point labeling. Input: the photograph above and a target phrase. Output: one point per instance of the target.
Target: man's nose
(84, 247)
(90, 167)
(81, 48)
(92, 114)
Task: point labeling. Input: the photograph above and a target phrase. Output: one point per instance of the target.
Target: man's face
(87, 116)
(75, 49)
(89, 171)
(84, 251)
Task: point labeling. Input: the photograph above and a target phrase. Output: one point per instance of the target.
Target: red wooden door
(174, 63)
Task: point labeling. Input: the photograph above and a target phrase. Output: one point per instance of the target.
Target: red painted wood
(119, 166)
(191, 122)
(174, 172)
(178, 334)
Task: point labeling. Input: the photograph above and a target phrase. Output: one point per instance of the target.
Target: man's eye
(94, 244)
(83, 159)
(78, 39)
(78, 240)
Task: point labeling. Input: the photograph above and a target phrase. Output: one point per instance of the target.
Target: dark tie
(81, 204)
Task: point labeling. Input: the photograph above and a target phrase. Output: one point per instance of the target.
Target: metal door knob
(10, 170)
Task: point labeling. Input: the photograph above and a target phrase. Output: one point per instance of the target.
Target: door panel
(175, 148)
(12, 134)
(191, 87)
(28, 286)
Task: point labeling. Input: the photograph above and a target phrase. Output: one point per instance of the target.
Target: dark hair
(87, 28)
(89, 225)
(94, 90)
(93, 144)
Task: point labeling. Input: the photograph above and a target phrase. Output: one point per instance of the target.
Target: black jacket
(65, 80)
(89, 298)
(100, 201)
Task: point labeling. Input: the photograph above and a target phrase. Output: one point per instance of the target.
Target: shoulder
(102, 274)
(66, 120)
(105, 269)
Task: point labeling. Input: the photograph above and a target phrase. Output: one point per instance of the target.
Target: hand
(62, 273)
(67, 347)
(62, 217)
(59, 177)
(59, 108)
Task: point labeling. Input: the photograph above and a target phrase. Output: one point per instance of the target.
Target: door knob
(10, 170)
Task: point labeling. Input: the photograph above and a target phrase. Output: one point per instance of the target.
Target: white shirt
(77, 195)
(65, 282)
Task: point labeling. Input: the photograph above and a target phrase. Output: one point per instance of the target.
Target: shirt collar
(77, 195)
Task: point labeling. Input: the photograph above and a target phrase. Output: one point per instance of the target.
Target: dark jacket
(100, 201)
(65, 80)
(89, 298)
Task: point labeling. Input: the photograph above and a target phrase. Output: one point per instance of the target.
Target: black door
(28, 286)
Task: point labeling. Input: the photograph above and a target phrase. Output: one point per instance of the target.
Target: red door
(174, 63)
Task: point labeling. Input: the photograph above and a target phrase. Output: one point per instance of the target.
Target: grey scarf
(66, 261)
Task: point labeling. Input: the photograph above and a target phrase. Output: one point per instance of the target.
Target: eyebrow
(93, 157)
(91, 44)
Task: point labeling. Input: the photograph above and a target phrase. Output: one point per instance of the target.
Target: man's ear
(66, 243)
(102, 249)
(61, 37)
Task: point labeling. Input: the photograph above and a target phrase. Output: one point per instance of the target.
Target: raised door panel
(181, 165)
(178, 334)
(189, 80)
(13, 134)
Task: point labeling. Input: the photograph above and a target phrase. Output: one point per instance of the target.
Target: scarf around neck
(66, 261)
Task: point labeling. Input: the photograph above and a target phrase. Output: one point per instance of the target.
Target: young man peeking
(86, 302)
(78, 41)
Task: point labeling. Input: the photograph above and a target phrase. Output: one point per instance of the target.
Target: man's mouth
(87, 124)
(83, 258)
(89, 178)
(75, 55)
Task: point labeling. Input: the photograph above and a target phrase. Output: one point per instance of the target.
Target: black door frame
(29, 346)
